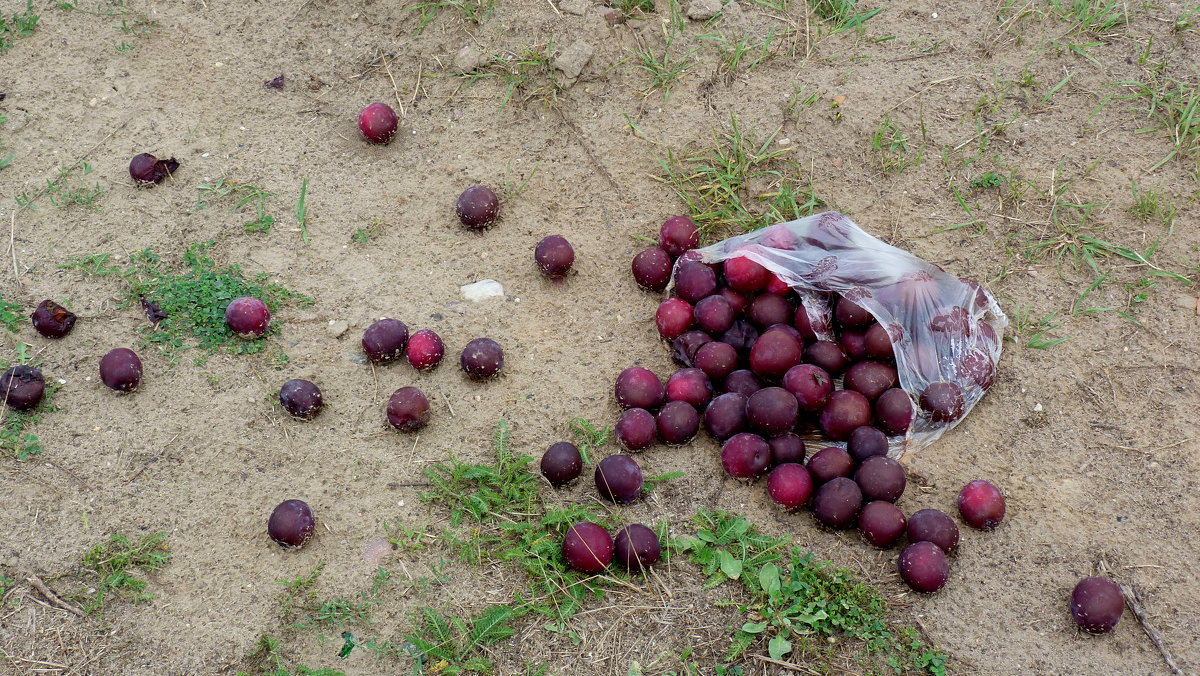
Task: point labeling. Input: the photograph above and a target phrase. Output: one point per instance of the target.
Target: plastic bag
(943, 329)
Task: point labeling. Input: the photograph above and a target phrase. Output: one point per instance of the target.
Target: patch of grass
(302, 210)
(269, 658)
(1153, 204)
(16, 25)
(451, 645)
(889, 146)
(590, 437)
(529, 73)
(364, 235)
(743, 54)
(16, 441)
(665, 67)
(796, 605)
(1034, 332)
(1174, 105)
(11, 316)
(472, 11)
(244, 194)
(1188, 20)
(193, 296)
(119, 566)
(740, 184)
(842, 14)
(65, 189)
(1092, 16)
(4, 160)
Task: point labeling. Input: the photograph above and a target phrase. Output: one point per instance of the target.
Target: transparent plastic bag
(943, 329)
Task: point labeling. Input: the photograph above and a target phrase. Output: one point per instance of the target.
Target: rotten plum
(687, 345)
(291, 523)
(22, 387)
(147, 169)
(52, 320)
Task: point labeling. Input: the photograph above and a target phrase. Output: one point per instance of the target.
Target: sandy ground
(1094, 440)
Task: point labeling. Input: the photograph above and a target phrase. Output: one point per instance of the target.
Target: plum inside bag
(945, 331)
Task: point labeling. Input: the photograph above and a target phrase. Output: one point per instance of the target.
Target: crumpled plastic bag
(943, 328)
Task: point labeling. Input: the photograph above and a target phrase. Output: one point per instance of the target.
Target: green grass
(1153, 205)
(1174, 106)
(117, 567)
(797, 607)
(842, 14)
(269, 659)
(242, 195)
(529, 74)
(451, 645)
(889, 146)
(16, 441)
(472, 11)
(739, 184)
(744, 54)
(666, 65)
(67, 188)
(1092, 16)
(1033, 333)
(302, 210)
(11, 317)
(5, 160)
(194, 296)
(16, 25)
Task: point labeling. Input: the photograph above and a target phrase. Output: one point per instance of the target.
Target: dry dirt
(1094, 440)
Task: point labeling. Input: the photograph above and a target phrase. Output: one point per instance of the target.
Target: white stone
(482, 290)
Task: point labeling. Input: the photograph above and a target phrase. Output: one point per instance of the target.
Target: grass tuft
(116, 565)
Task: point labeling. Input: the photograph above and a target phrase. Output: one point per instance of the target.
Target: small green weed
(269, 659)
(1153, 205)
(842, 14)
(244, 194)
(743, 54)
(1174, 105)
(66, 188)
(988, 180)
(450, 645)
(667, 66)
(794, 601)
(114, 562)
(365, 235)
(473, 11)
(4, 160)
(739, 184)
(529, 73)
(16, 25)
(632, 9)
(889, 145)
(1092, 16)
(590, 438)
(302, 210)
(11, 317)
(1035, 333)
(194, 297)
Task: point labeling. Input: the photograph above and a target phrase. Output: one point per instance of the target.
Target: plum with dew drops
(424, 350)
(554, 256)
(652, 269)
(1097, 605)
(636, 429)
(482, 358)
(385, 340)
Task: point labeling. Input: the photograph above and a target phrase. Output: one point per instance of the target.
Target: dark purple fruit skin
(561, 464)
(121, 370)
(943, 401)
(291, 524)
(385, 340)
(694, 281)
(1097, 605)
(673, 317)
(881, 478)
(652, 269)
(768, 310)
(981, 504)
(301, 399)
(690, 385)
(424, 350)
(774, 353)
(828, 355)
(786, 447)
(743, 382)
(851, 315)
(725, 415)
(745, 455)
(377, 122)
(803, 324)
(790, 485)
(830, 463)
(148, 169)
(894, 411)
(932, 525)
(743, 274)
(677, 235)
(741, 336)
(772, 410)
(870, 378)
(878, 342)
(716, 359)
(637, 548)
(52, 320)
(636, 429)
(837, 503)
(685, 347)
(846, 411)
(477, 207)
(811, 386)
(714, 314)
(22, 387)
(482, 358)
(554, 256)
(737, 301)
(638, 387)
(587, 547)
(678, 422)
(866, 442)
(619, 479)
(924, 567)
(248, 317)
(853, 344)
(881, 523)
(408, 409)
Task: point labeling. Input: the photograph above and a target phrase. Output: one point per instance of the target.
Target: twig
(52, 597)
(395, 90)
(1134, 601)
(551, 3)
(12, 247)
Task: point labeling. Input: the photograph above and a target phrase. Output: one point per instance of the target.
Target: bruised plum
(301, 399)
(830, 463)
(685, 347)
(745, 455)
(768, 310)
(147, 169)
(587, 547)
(673, 317)
(772, 410)
(636, 429)
(981, 504)
(786, 447)
(21, 387)
(811, 386)
(638, 387)
(866, 442)
(408, 409)
(924, 567)
(837, 502)
(291, 523)
(894, 411)
(741, 336)
(652, 269)
(385, 340)
(121, 370)
(678, 422)
(932, 525)
(619, 479)
(714, 314)
(561, 463)
(870, 378)
(716, 359)
(677, 235)
(725, 415)
(1097, 605)
(943, 401)
(742, 382)
(694, 281)
(691, 386)
(637, 548)
(774, 353)
(846, 411)
(880, 478)
(52, 320)
(790, 485)
(881, 523)
(828, 355)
